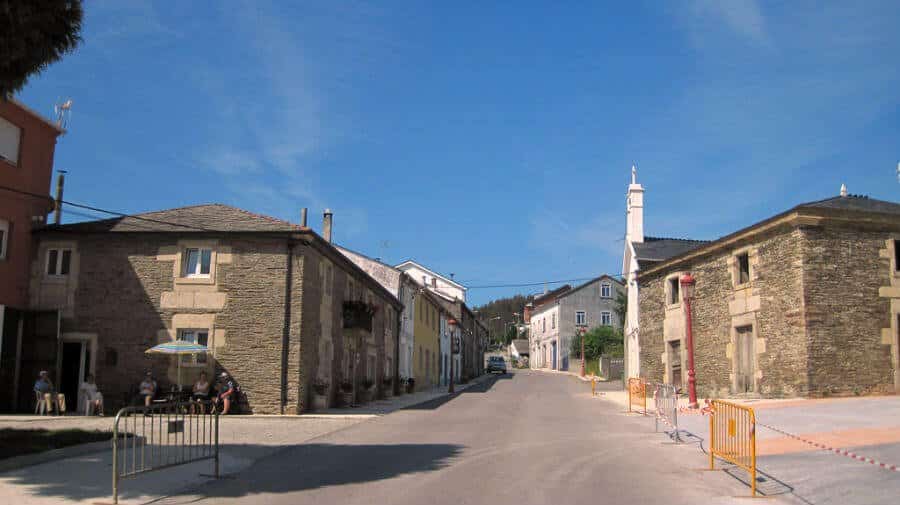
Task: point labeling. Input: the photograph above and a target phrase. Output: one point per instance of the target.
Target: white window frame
(194, 359)
(605, 286)
(4, 238)
(606, 318)
(580, 318)
(16, 144)
(553, 321)
(198, 270)
(57, 267)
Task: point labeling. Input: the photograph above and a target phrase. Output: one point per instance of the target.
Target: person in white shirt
(93, 396)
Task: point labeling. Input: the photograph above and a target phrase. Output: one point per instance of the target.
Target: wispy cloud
(743, 17)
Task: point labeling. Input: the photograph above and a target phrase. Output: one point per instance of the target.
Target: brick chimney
(327, 222)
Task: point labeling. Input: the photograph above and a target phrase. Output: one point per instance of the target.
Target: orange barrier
(593, 387)
(637, 394)
(732, 437)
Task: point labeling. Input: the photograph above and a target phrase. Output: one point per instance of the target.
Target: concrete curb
(73, 451)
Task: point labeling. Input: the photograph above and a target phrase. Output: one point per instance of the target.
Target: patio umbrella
(178, 348)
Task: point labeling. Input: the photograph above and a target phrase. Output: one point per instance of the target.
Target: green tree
(34, 34)
(621, 308)
(598, 341)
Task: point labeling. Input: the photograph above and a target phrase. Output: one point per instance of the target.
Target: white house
(434, 281)
(641, 251)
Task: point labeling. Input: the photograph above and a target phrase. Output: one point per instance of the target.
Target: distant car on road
(496, 364)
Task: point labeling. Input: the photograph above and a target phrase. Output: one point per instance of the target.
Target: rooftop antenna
(63, 112)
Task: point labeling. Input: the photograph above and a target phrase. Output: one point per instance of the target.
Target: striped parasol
(178, 348)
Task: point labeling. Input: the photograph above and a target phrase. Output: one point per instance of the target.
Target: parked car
(496, 364)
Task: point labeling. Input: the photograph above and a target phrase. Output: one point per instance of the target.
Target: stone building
(279, 307)
(555, 318)
(806, 302)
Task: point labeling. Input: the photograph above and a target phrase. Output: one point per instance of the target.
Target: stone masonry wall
(780, 344)
(843, 272)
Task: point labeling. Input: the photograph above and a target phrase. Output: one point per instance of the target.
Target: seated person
(44, 387)
(226, 391)
(147, 389)
(92, 396)
(200, 391)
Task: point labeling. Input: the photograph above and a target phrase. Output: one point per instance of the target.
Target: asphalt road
(524, 438)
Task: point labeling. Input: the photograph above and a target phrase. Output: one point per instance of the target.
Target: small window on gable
(605, 290)
(674, 295)
(897, 255)
(743, 266)
(59, 261)
(196, 262)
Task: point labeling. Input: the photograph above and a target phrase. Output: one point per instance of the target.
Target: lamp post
(452, 324)
(581, 332)
(687, 293)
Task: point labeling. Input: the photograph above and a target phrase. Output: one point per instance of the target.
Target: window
(605, 290)
(544, 324)
(580, 319)
(673, 291)
(59, 261)
(9, 141)
(552, 321)
(4, 238)
(743, 266)
(194, 336)
(606, 318)
(897, 255)
(196, 262)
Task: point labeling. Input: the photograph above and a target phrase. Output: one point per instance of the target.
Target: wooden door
(745, 366)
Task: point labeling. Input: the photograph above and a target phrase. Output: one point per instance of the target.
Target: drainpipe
(286, 332)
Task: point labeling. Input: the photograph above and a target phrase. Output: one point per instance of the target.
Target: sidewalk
(86, 478)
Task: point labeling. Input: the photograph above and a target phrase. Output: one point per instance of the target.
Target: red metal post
(687, 285)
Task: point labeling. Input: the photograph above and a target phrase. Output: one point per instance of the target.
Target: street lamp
(687, 293)
(452, 324)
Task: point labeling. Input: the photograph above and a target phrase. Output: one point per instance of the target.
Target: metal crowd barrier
(637, 394)
(161, 436)
(732, 437)
(665, 402)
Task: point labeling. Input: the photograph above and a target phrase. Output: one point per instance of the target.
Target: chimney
(843, 190)
(303, 217)
(434, 282)
(327, 221)
(634, 231)
(60, 182)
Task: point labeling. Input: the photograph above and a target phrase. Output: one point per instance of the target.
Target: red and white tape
(842, 452)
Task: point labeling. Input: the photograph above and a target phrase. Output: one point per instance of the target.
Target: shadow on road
(294, 468)
(481, 387)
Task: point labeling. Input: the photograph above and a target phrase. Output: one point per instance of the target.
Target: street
(486, 445)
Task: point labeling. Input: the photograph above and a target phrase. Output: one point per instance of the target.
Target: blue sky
(494, 142)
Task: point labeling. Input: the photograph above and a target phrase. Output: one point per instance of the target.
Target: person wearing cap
(44, 388)
(147, 389)
(225, 392)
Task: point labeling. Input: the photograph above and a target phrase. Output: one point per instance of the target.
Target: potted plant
(320, 394)
(387, 383)
(347, 392)
(367, 385)
(410, 385)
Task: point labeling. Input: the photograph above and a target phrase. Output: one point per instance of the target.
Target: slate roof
(214, 217)
(860, 203)
(661, 248)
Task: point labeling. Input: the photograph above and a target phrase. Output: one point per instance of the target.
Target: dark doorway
(74, 371)
(553, 355)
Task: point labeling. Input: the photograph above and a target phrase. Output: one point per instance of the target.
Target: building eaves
(588, 283)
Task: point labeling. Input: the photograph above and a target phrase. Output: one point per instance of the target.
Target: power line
(529, 284)
(105, 211)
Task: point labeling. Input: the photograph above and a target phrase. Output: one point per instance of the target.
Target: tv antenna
(63, 112)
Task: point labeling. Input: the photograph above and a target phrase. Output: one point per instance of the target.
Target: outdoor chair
(40, 404)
